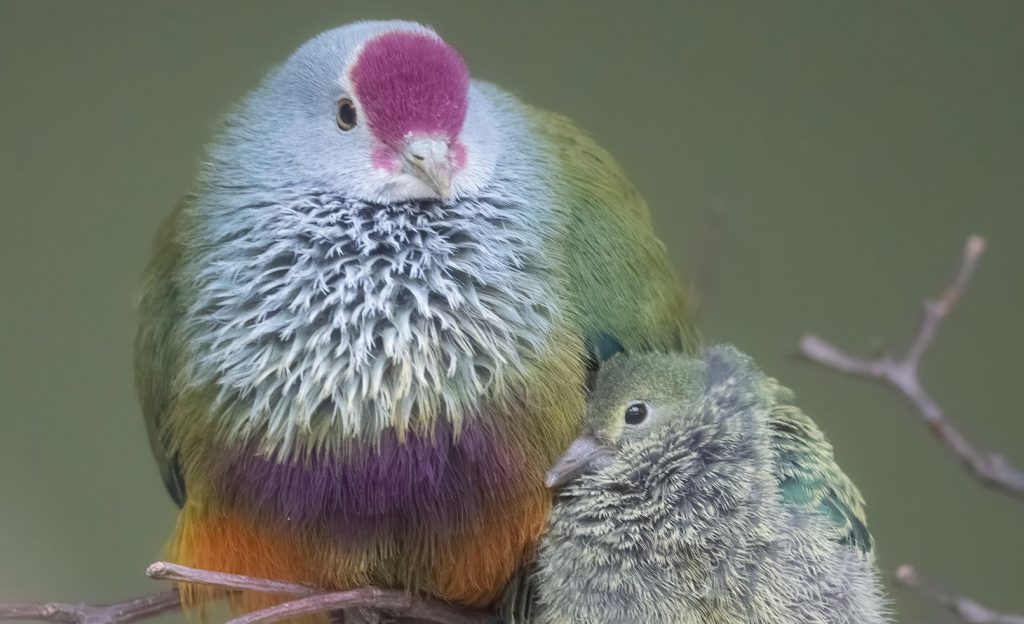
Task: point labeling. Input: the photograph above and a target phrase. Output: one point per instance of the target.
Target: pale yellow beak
(428, 159)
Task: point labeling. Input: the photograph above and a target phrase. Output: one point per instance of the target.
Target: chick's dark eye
(636, 413)
(346, 114)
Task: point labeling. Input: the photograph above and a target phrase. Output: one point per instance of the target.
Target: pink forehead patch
(411, 82)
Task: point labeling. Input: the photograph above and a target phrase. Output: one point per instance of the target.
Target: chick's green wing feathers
(619, 273)
(809, 476)
(156, 356)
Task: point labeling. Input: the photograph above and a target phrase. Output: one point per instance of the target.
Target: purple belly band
(444, 479)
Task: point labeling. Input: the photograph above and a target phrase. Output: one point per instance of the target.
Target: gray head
(660, 494)
(375, 111)
(644, 404)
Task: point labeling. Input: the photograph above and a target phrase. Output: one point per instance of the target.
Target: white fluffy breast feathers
(330, 315)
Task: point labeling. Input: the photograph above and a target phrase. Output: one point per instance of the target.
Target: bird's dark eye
(636, 413)
(346, 114)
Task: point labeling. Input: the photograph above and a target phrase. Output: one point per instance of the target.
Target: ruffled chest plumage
(323, 315)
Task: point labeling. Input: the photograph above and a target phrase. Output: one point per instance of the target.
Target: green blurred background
(847, 150)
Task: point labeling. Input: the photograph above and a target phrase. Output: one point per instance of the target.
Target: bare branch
(315, 600)
(902, 372)
(388, 601)
(165, 571)
(967, 610)
(80, 613)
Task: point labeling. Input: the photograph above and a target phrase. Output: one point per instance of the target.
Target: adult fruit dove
(369, 329)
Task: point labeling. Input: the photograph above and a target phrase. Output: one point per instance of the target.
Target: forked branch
(902, 372)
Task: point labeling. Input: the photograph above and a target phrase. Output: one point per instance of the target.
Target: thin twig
(316, 600)
(902, 373)
(312, 600)
(967, 610)
(80, 613)
(165, 571)
(388, 601)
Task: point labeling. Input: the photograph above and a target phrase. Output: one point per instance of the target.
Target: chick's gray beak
(428, 159)
(580, 456)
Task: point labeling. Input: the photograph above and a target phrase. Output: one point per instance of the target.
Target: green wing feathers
(619, 272)
(809, 476)
(156, 350)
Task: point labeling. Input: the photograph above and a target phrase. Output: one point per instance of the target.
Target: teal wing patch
(600, 348)
(809, 476)
(603, 346)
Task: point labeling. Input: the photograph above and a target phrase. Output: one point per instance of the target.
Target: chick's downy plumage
(367, 332)
(700, 494)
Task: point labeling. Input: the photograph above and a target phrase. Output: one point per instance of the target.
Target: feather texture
(690, 515)
(357, 381)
